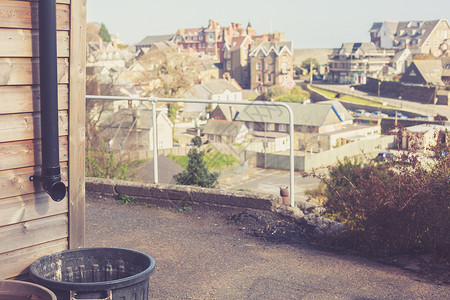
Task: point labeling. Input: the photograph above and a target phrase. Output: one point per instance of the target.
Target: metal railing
(154, 100)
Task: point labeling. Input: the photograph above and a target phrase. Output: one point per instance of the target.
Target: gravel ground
(203, 254)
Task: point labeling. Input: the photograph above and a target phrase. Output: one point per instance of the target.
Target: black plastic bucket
(20, 290)
(95, 273)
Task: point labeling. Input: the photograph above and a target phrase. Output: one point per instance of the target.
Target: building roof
(304, 114)
(237, 42)
(431, 70)
(375, 27)
(208, 89)
(226, 128)
(198, 91)
(411, 33)
(445, 66)
(422, 128)
(417, 30)
(270, 134)
(366, 48)
(228, 111)
(400, 53)
(139, 117)
(276, 47)
(151, 39)
(219, 86)
(343, 113)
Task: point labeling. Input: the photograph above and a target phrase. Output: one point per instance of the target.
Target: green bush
(102, 163)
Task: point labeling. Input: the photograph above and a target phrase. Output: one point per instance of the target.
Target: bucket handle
(73, 294)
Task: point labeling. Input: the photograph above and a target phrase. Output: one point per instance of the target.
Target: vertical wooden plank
(77, 94)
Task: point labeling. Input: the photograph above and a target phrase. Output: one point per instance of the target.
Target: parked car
(378, 114)
(440, 118)
(361, 113)
(425, 118)
(384, 156)
(399, 115)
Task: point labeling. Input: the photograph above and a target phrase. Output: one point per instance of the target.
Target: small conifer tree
(196, 172)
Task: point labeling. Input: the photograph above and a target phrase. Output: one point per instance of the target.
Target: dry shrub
(398, 206)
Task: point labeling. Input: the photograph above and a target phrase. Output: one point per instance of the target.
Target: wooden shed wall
(31, 223)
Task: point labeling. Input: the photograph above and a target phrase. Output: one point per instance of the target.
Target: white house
(219, 89)
(225, 131)
(132, 129)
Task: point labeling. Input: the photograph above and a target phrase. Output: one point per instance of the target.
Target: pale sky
(308, 23)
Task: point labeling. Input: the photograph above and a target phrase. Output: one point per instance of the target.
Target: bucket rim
(93, 286)
(31, 284)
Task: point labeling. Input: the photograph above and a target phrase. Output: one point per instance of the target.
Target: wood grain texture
(29, 207)
(77, 99)
(25, 71)
(25, 15)
(33, 232)
(25, 99)
(17, 182)
(27, 153)
(17, 262)
(18, 127)
(25, 43)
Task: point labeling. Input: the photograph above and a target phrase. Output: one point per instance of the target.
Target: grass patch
(214, 160)
(349, 98)
(182, 160)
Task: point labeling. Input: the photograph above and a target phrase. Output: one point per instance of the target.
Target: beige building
(271, 63)
(429, 37)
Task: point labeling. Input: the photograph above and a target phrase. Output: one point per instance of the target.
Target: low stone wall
(168, 195)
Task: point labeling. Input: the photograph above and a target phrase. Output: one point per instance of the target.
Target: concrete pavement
(267, 181)
(202, 255)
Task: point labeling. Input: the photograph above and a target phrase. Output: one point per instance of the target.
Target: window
(270, 126)
(282, 127)
(269, 78)
(258, 66)
(261, 55)
(228, 65)
(258, 78)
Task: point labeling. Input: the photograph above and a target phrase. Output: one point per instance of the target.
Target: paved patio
(202, 255)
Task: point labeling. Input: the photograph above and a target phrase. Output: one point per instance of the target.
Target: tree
(196, 172)
(172, 110)
(274, 92)
(278, 93)
(306, 64)
(104, 34)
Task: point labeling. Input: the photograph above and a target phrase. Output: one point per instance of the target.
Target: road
(267, 181)
(423, 109)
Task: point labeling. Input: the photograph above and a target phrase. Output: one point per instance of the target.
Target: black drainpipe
(48, 74)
